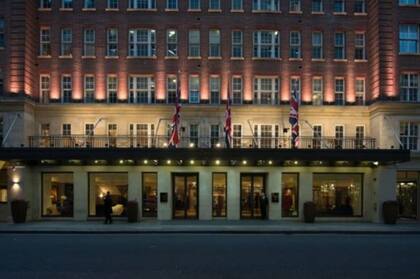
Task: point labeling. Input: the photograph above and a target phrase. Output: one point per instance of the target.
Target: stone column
(80, 192)
(384, 183)
(205, 195)
(134, 188)
(305, 189)
(164, 186)
(233, 195)
(274, 186)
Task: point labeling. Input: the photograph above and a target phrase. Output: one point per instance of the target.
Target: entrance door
(185, 195)
(407, 199)
(252, 186)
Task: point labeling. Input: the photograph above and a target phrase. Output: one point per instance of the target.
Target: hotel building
(87, 93)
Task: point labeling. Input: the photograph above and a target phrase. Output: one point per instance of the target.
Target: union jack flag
(294, 118)
(228, 122)
(174, 139)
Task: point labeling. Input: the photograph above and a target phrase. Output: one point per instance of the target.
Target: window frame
(45, 45)
(136, 92)
(136, 45)
(257, 91)
(259, 47)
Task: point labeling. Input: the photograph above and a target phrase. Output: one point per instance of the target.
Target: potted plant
(309, 212)
(19, 210)
(390, 212)
(132, 211)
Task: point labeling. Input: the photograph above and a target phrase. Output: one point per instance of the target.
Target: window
(89, 43)
(141, 89)
(45, 41)
(3, 180)
(214, 4)
(237, 136)
(409, 87)
(89, 129)
(237, 5)
(112, 88)
(317, 6)
(89, 4)
(265, 5)
(112, 42)
(214, 135)
(339, 6)
(102, 183)
(295, 85)
(317, 91)
(142, 42)
(237, 90)
(266, 44)
(409, 135)
(141, 135)
(317, 45)
(112, 4)
(89, 89)
(149, 194)
(409, 38)
(194, 43)
(44, 88)
(142, 4)
(171, 88)
(295, 45)
(57, 194)
(266, 135)
(2, 32)
(339, 45)
(338, 194)
(112, 133)
(66, 131)
(360, 91)
(66, 88)
(294, 6)
(317, 136)
(360, 136)
(1, 139)
(289, 194)
(339, 136)
(360, 6)
(339, 91)
(67, 4)
(172, 43)
(409, 2)
(194, 84)
(214, 47)
(237, 44)
(214, 90)
(172, 4)
(194, 134)
(66, 42)
(266, 90)
(45, 4)
(194, 4)
(360, 46)
(219, 194)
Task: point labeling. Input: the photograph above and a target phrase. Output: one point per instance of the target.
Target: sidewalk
(215, 226)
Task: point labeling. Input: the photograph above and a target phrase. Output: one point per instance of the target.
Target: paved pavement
(215, 226)
(215, 256)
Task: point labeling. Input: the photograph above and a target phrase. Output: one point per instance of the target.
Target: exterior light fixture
(96, 161)
(192, 144)
(121, 161)
(145, 162)
(218, 144)
(376, 163)
(296, 162)
(270, 162)
(192, 162)
(244, 162)
(168, 162)
(165, 144)
(217, 162)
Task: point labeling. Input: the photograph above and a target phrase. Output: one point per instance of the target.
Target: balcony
(246, 142)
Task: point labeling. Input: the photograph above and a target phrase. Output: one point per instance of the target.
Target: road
(209, 256)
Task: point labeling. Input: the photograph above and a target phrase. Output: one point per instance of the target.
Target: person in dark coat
(108, 208)
(263, 204)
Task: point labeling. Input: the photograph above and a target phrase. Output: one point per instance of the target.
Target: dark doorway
(252, 186)
(185, 195)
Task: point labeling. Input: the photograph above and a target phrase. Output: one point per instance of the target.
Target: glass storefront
(102, 183)
(290, 195)
(219, 194)
(252, 188)
(57, 194)
(407, 189)
(3, 186)
(338, 194)
(185, 196)
(149, 194)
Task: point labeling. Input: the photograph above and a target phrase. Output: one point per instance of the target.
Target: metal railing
(99, 141)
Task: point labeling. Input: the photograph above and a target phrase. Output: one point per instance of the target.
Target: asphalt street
(213, 256)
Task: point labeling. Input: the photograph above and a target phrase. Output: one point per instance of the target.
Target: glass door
(185, 196)
(252, 187)
(407, 199)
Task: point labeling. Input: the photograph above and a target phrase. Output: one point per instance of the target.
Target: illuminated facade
(88, 89)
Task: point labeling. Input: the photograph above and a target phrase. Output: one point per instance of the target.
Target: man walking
(108, 208)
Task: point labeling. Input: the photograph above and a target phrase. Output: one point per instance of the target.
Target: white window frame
(360, 45)
(218, 8)
(237, 44)
(319, 11)
(343, 93)
(234, 8)
(44, 88)
(136, 92)
(172, 43)
(45, 4)
(45, 42)
(89, 88)
(214, 43)
(215, 85)
(171, 88)
(295, 46)
(66, 129)
(342, 46)
(190, 5)
(317, 95)
(360, 94)
(194, 99)
(112, 42)
(259, 45)
(237, 140)
(363, 12)
(237, 91)
(89, 47)
(69, 4)
(408, 38)
(413, 84)
(112, 88)
(136, 44)
(258, 91)
(296, 81)
(410, 140)
(136, 133)
(257, 6)
(168, 5)
(343, 7)
(66, 43)
(316, 45)
(137, 4)
(269, 141)
(86, 5)
(295, 6)
(66, 87)
(194, 44)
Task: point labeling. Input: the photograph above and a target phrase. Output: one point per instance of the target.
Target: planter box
(19, 210)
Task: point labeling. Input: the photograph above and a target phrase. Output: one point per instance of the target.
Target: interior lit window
(3, 177)
(290, 195)
(57, 194)
(149, 194)
(219, 194)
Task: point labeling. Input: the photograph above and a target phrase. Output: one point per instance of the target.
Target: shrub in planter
(19, 210)
(309, 212)
(132, 211)
(390, 212)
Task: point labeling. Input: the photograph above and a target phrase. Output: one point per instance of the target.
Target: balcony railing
(82, 141)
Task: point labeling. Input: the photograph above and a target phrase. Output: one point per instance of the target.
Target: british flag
(294, 118)
(174, 139)
(228, 122)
